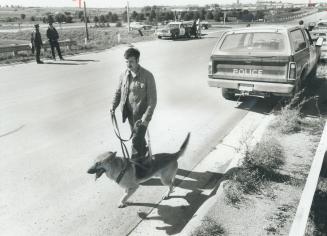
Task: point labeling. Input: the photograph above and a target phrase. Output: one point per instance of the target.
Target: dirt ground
(271, 212)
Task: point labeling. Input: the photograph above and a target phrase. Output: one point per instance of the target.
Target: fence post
(118, 38)
(14, 53)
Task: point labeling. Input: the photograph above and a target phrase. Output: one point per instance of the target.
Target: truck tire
(298, 87)
(227, 94)
(313, 73)
(159, 37)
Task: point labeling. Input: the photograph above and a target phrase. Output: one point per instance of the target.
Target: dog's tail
(183, 147)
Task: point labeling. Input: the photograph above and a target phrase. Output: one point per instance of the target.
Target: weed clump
(266, 156)
(209, 227)
(260, 165)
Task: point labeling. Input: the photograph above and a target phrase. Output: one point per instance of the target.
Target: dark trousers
(37, 53)
(53, 45)
(139, 146)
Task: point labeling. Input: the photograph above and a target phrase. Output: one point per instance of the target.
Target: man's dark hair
(301, 22)
(132, 52)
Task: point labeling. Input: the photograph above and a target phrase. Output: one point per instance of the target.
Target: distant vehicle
(177, 29)
(321, 24)
(320, 33)
(205, 24)
(263, 61)
(139, 26)
(311, 26)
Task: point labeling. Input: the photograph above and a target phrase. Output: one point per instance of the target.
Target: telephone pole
(127, 11)
(85, 20)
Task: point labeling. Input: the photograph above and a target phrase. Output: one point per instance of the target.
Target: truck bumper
(259, 87)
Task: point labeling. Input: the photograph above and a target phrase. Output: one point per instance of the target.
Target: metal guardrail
(304, 207)
(14, 49)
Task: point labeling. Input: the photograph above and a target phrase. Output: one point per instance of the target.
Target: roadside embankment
(261, 193)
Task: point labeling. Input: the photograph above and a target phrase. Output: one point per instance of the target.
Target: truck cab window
(298, 40)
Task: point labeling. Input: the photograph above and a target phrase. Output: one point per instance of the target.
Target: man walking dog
(53, 37)
(137, 96)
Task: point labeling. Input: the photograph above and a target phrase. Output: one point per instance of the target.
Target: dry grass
(99, 39)
(265, 156)
(233, 192)
(209, 227)
(290, 119)
(260, 165)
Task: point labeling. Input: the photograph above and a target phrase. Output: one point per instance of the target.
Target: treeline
(153, 15)
(157, 14)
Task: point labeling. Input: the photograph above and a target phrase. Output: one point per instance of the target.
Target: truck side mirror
(319, 42)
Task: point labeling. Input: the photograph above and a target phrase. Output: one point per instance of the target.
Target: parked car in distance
(263, 61)
(139, 26)
(321, 24)
(205, 24)
(177, 29)
(321, 33)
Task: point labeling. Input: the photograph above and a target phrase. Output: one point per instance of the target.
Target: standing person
(36, 41)
(198, 28)
(137, 96)
(53, 37)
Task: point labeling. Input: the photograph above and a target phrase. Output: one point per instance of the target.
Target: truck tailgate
(251, 68)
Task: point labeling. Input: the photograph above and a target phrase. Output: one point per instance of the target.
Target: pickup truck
(263, 61)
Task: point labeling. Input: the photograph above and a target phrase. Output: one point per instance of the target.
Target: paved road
(54, 122)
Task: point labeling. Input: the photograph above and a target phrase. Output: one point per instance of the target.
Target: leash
(122, 145)
(122, 141)
(126, 157)
(149, 142)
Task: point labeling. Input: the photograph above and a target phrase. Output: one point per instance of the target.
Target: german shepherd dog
(163, 165)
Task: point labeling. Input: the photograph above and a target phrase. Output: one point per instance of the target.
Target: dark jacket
(36, 39)
(142, 98)
(52, 34)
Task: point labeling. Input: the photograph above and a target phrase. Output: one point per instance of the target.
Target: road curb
(226, 155)
(303, 210)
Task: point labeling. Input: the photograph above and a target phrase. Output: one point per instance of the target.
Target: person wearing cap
(53, 37)
(137, 96)
(36, 41)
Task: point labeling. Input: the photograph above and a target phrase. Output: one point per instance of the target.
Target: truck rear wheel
(228, 94)
(313, 73)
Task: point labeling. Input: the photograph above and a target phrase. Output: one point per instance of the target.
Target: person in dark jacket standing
(53, 37)
(137, 96)
(36, 41)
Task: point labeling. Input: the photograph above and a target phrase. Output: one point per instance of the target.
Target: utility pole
(127, 11)
(85, 20)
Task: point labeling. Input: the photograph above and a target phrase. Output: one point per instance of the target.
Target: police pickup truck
(263, 61)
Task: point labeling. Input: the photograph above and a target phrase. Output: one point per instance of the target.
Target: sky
(122, 3)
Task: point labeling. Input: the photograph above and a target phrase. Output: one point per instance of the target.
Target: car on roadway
(321, 24)
(176, 29)
(321, 33)
(139, 26)
(263, 61)
(205, 25)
